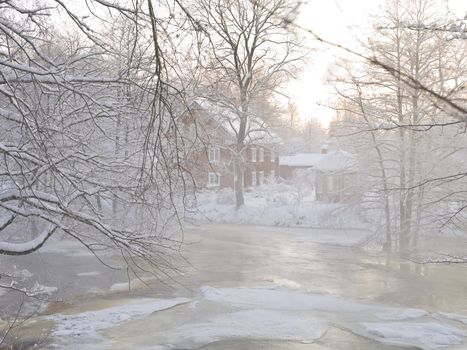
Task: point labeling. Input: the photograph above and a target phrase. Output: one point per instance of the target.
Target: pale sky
(343, 22)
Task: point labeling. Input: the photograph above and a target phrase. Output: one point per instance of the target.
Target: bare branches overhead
(87, 139)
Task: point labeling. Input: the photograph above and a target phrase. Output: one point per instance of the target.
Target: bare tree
(398, 102)
(87, 145)
(251, 53)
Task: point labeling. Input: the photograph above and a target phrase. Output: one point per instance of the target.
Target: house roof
(337, 161)
(310, 160)
(257, 130)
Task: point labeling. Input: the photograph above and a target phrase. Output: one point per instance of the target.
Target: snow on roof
(337, 161)
(257, 130)
(301, 159)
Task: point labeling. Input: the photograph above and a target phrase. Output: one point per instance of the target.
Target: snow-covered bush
(225, 196)
(274, 203)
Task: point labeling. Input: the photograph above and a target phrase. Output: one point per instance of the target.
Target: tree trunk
(403, 234)
(387, 212)
(239, 198)
(239, 162)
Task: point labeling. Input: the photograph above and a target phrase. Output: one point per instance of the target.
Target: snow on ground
(401, 315)
(454, 317)
(426, 335)
(255, 324)
(278, 204)
(89, 323)
(275, 298)
(269, 312)
(22, 275)
(399, 326)
(39, 289)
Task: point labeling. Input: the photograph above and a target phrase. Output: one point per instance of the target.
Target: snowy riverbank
(278, 204)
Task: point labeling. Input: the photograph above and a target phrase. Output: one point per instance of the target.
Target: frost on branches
(87, 146)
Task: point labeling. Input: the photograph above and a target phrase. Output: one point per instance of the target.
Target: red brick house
(209, 136)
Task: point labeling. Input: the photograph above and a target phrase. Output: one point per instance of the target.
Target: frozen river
(253, 287)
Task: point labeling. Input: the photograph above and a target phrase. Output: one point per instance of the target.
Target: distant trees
(403, 129)
(250, 52)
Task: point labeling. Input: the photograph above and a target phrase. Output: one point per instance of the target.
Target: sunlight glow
(341, 22)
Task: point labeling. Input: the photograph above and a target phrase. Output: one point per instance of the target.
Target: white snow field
(425, 335)
(399, 328)
(277, 204)
(270, 312)
(86, 326)
(254, 324)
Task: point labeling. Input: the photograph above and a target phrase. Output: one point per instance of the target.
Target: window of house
(214, 179)
(261, 154)
(273, 156)
(253, 178)
(253, 154)
(261, 178)
(214, 154)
